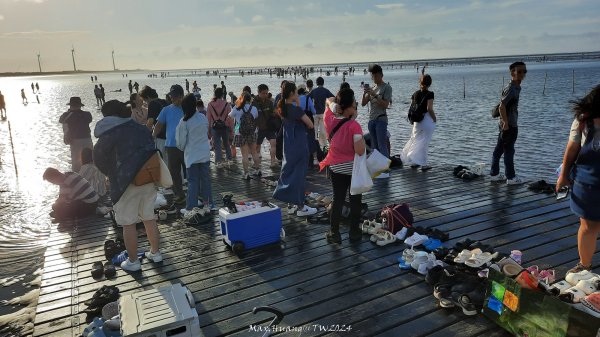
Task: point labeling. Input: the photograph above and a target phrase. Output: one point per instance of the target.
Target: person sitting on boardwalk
(415, 150)
(345, 140)
(291, 185)
(90, 172)
(123, 147)
(76, 197)
(245, 132)
(581, 171)
(508, 130)
(192, 139)
(76, 129)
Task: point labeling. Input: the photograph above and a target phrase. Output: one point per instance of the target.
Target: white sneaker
(401, 234)
(514, 181)
(498, 177)
(183, 211)
(383, 175)
(131, 266)
(156, 257)
(306, 211)
(292, 209)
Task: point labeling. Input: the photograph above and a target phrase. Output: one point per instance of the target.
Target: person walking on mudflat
(76, 129)
(508, 129)
(2, 106)
(23, 97)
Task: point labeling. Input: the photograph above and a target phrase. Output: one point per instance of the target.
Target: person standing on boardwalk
(291, 185)
(581, 172)
(2, 106)
(76, 129)
(379, 98)
(346, 140)
(122, 149)
(508, 129)
(155, 105)
(319, 95)
(268, 123)
(217, 112)
(192, 139)
(169, 118)
(415, 150)
(130, 86)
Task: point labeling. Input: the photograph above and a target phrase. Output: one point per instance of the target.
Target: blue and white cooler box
(251, 228)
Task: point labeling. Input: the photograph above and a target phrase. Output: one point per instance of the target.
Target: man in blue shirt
(319, 95)
(169, 117)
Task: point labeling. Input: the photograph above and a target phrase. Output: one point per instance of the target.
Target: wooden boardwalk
(311, 281)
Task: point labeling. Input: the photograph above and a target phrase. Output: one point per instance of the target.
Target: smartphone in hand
(562, 193)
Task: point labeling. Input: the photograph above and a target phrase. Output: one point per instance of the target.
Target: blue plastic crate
(250, 229)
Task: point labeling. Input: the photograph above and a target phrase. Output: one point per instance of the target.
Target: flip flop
(109, 270)
(386, 238)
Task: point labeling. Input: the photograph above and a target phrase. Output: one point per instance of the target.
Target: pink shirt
(214, 108)
(341, 147)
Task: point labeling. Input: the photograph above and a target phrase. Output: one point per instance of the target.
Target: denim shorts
(585, 201)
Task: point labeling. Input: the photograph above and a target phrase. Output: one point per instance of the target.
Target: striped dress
(75, 187)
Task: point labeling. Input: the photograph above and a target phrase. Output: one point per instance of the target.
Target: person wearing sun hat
(76, 130)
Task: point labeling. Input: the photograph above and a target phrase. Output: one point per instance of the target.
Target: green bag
(525, 312)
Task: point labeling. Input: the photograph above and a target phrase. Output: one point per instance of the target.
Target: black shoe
(472, 302)
(109, 270)
(355, 236)
(97, 270)
(333, 237)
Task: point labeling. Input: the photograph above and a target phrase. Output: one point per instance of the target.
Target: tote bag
(361, 178)
(377, 163)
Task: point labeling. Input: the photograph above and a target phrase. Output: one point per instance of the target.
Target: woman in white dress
(415, 150)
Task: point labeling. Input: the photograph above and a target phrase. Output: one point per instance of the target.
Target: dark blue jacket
(122, 149)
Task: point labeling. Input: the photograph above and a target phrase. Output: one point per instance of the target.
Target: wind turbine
(39, 64)
(113, 59)
(73, 56)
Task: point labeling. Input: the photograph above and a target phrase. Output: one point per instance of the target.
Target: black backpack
(414, 112)
(219, 124)
(247, 123)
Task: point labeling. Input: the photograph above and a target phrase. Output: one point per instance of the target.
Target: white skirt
(415, 150)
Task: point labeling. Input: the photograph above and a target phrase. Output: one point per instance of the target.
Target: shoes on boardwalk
(578, 268)
(97, 270)
(156, 257)
(172, 209)
(292, 209)
(109, 270)
(514, 181)
(127, 265)
(497, 178)
(306, 211)
(180, 200)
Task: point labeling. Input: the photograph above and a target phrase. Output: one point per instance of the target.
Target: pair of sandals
(112, 248)
(318, 200)
(101, 297)
(107, 270)
(383, 237)
(474, 258)
(547, 276)
(577, 286)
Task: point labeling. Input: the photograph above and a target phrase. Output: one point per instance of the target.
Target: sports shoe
(184, 211)
(498, 177)
(156, 257)
(127, 265)
(179, 200)
(383, 175)
(578, 268)
(292, 209)
(514, 181)
(306, 211)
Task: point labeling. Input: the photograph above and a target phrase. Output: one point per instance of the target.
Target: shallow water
(465, 135)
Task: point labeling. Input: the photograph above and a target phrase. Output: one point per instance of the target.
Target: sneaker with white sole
(498, 177)
(514, 181)
(156, 257)
(292, 209)
(127, 265)
(383, 175)
(306, 211)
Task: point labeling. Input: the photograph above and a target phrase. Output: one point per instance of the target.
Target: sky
(198, 34)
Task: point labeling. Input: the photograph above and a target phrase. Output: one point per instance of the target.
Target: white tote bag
(377, 163)
(165, 175)
(361, 178)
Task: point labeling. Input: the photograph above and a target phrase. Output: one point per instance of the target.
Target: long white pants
(415, 150)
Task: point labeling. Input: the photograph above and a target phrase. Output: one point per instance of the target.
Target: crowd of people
(298, 123)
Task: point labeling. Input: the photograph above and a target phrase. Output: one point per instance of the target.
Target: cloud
(390, 6)
(229, 10)
(32, 1)
(36, 34)
(237, 20)
(257, 18)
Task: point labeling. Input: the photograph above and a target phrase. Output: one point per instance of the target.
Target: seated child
(76, 198)
(90, 172)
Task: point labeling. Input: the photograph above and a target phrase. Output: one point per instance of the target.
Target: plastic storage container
(168, 311)
(250, 229)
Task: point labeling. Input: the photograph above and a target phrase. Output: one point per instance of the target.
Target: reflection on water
(465, 134)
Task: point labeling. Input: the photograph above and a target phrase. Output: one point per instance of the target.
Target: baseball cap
(375, 69)
(176, 90)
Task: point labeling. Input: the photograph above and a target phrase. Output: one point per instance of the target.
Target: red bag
(396, 216)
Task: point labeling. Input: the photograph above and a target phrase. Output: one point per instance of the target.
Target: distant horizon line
(381, 62)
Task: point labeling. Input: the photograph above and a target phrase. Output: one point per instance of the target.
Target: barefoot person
(76, 197)
(123, 147)
(2, 106)
(76, 129)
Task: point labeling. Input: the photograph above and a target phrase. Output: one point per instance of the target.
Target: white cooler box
(168, 311)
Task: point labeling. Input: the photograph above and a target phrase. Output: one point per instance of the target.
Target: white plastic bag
(377, 163)
(361, 178)
(165, 176)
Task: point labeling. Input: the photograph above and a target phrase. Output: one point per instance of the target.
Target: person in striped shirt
(76, 197)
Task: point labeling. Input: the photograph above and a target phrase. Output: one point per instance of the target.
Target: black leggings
(341, 186)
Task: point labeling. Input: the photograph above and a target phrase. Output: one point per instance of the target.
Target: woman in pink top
(217, 112)
(345, 140)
